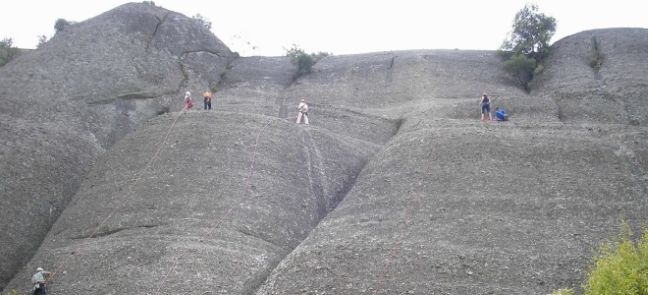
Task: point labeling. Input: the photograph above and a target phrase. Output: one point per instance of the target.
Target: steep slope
(457, 208)
(243, 201)
(67, 102)
(453, 206)
(615, 93)
(214, 208)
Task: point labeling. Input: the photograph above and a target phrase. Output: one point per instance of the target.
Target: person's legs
(483, 110)
(306, 119)
(299, 116)
(209, 105)
(40, 290)
(486, 109)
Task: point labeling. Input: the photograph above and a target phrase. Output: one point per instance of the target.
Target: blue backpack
(501, 114)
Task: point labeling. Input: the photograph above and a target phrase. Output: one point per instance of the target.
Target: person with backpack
(484, 103)
(38, 280)
(188, 102)
(303, 112)
(208, 99)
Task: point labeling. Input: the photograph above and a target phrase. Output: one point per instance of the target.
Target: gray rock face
(520, 218)
(210, 209)
(614, 94)
(64, 104)
(394, 188)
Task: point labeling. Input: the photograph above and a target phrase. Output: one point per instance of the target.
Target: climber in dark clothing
(484, 103)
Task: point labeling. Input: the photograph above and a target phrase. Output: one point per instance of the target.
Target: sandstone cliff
(66, 103)
(395, 188)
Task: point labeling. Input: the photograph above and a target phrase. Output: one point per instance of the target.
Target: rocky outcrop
(460, 208)
(69, 101)
(615, 92)
(214, 207)
(395, 188)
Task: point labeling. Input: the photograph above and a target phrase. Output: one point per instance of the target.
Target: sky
(269, 27)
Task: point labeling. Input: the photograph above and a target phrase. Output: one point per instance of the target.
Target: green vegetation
(42, 39)
(618, 268)
(61, 24)
(7, 51)
(303, 60)
(521, 68)
(152, 3)
(203, 21)
(532, 31)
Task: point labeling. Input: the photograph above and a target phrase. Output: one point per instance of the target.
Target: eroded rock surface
(215, 207)
(66, 103)
(395, 188)
(614, 93)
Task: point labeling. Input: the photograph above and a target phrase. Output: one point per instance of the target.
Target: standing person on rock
(188, 102)
(484, 103)
(303, 112)
(38, 280)
(208, 99)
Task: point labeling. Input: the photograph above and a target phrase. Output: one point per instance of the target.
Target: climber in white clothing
(303, 112)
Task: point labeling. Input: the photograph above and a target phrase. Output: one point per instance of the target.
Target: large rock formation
(395, 188)
(615, 93)
(64, 104)
(222, 201)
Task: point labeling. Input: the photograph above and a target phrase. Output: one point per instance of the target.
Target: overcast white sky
(267, 27)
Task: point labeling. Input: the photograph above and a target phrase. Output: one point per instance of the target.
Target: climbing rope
(230, 209)
(133, 180)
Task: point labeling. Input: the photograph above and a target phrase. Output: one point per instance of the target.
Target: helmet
(39, 269)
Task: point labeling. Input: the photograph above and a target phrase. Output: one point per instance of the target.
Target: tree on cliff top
(528, 43)
(7, 51)
(303, 60)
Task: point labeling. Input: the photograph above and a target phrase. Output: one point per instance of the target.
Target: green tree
(521, 68)
(7, 51)
(620, 268)
(61, 24)
(303, 60)
(528, 44)
(531, 33)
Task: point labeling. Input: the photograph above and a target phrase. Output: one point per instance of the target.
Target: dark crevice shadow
(318, 190)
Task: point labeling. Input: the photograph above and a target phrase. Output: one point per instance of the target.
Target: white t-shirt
(38, 278)
(303, 107)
